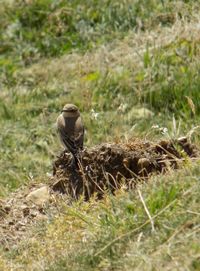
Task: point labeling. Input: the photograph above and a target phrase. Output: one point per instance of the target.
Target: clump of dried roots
(108, 166)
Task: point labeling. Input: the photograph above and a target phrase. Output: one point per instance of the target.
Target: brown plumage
(70, 129)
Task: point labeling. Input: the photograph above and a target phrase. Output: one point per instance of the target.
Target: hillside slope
(132, 67)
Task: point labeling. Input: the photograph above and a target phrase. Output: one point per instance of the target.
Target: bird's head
(70, 110)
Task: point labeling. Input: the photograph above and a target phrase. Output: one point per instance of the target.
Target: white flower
(164, 130)
(94, 115)
(155, 126)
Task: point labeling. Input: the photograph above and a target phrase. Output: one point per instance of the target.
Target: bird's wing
(68, 142)
(79, 135)
(79, 141)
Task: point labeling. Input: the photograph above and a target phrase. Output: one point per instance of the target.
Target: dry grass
(73, 71)
(109, 79)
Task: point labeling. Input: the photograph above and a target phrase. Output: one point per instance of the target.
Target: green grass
(116, 233)
(51, 27)
(30, 30)
(135, 64)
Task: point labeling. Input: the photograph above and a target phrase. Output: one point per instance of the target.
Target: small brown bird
(71, 129)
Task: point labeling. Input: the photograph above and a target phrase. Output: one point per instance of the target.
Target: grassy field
(130, 66)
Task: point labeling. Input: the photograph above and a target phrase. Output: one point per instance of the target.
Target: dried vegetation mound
(109, 166)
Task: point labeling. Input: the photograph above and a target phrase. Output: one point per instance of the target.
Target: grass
(116, 233)
(49, 28)
(128, 66)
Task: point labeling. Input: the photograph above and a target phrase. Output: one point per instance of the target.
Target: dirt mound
(108, 166)
(101, 168)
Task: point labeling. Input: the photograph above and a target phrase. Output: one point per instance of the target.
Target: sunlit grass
(117, 233)
(132, 68)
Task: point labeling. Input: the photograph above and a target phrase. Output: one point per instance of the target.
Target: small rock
(39, 196)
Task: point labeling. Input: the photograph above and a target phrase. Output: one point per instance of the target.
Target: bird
(71, 129)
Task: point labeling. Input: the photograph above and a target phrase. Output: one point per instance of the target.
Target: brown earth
(108, 166)
(105, 167)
